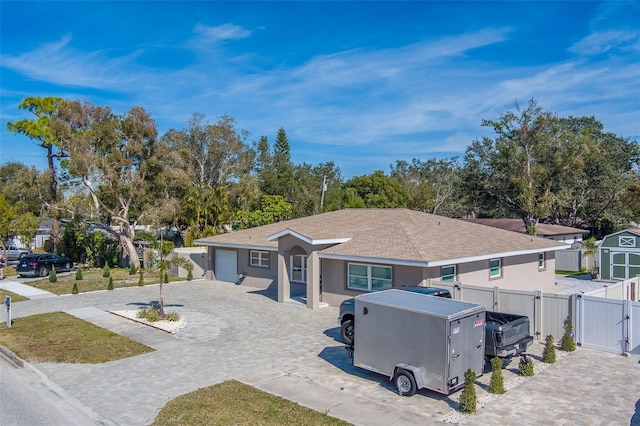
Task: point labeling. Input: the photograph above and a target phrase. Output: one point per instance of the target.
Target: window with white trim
(448, 274)
(259, 258)
(298, 268)
(541, 260)
(627, 241)
(368, 277)
(495, 268)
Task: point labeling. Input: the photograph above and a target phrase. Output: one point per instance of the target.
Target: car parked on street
(15, 253)
(39, 265)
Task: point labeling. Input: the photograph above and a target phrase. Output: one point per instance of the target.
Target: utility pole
(324, 189)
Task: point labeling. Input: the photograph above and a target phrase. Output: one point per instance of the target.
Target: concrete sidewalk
(24, 290)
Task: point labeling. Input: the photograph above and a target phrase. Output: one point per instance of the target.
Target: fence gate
(607, 324)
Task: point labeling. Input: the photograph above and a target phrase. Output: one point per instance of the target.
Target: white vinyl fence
(606, 319)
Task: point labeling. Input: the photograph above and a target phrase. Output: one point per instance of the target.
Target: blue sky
(362, 84)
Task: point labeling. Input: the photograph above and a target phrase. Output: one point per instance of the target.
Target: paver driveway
(236, 332)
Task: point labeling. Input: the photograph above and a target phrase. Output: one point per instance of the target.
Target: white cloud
(604, 41)
(223, 32)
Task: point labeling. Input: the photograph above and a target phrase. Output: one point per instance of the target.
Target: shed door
(226, 265)
(625, 265)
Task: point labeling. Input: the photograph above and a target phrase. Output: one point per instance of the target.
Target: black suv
(347, 310)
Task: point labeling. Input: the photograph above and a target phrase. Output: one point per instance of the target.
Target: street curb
(81, 407)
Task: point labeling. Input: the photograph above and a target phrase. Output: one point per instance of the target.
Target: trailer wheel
(346, 332)
(405, 383)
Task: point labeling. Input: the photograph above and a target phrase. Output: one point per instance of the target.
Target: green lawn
(234, 403)
(59, 337)
(93, 280)
(14, 297)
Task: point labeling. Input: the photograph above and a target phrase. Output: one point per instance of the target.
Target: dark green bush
(549, 352)
(141, 278)
(469, 399)
(110, 284)
(74, 289)
(132, 269)
(53, 277)
(189, 275)
(497, 382)
(106, 272)
(79, 274)
(568, 343)
(525, 368)
(166, 278)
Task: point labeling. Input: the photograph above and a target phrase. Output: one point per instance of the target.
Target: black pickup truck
(506, 335)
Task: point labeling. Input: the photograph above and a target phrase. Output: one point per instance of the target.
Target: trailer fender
(417, 373)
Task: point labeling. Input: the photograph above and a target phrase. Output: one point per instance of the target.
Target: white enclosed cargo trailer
(419, 341)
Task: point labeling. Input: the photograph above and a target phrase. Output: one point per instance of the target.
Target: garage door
(226, 265)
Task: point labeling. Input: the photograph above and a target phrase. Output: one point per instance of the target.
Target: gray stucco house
(620, 255)
(333, 256)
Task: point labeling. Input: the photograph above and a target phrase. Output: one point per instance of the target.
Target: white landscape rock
(164, 325)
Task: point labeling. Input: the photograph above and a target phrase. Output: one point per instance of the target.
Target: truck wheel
(44, 271)
(346, 332)
(405, 383)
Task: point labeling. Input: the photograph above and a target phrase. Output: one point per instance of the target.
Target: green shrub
(497, 382)
(189, 275)
(74, 289)
(149, 313)
(173, 316)
(53, 277)
(132, 269)
(469, 399)
(166, 278)
(568, 343)
(79, 274)
(549, 352)
(525, 368)
(110, 284)
(141, 278)
(106, 272)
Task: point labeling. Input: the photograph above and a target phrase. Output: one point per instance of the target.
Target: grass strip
(60, 337)
(234, 403)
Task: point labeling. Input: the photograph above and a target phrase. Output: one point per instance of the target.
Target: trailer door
(466, 349)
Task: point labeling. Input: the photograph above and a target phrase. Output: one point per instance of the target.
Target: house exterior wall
(256, 276)
(518, 273)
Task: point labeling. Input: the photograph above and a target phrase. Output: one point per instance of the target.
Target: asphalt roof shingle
(395, 234)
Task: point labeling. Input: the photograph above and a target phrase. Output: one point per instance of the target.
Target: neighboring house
(620, 255)
(343, 253)
(565, 234)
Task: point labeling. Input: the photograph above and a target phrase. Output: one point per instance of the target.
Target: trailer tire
(405, 383)
(346, 332)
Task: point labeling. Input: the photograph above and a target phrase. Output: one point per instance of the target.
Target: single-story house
(336, 255)
(565, 234)
(620, 255)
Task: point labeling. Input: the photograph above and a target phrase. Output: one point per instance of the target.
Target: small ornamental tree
(132, 269)
(166, 277)
(497, 382)
(468, 399)
(74, 289)
(53, 277)
(549, 352)
(106, 272)
(525, 368)
(568, 343)
(110, 284)
(141, 278)
(79, 274)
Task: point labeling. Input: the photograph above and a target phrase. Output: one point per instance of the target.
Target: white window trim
(626, 241)
(455, 273)
(369, 276)
(263, 259)
(542, 261)
(499, 268)
(303, 268)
